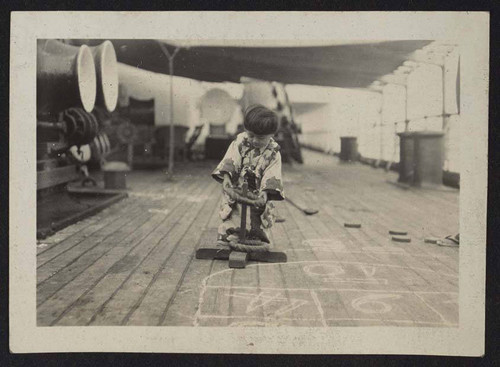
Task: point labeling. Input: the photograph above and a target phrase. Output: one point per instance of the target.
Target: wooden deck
(133, 263)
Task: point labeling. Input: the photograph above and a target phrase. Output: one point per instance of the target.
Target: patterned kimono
(263, 166)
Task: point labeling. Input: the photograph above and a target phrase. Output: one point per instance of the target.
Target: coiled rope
(247, 245)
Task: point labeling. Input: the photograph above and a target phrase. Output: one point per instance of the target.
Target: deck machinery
(77, 89)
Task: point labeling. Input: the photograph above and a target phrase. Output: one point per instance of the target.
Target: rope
(248, 245)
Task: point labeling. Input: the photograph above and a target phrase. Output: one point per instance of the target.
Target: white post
(443, 73)
(172, 141)
(171, 151)
(377, 87)
(407, 122)
(381, 126)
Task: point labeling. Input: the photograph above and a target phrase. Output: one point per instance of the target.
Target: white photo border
(468, 29)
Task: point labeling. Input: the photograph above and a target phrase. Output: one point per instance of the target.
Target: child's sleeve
(272, 181)
(229, 164)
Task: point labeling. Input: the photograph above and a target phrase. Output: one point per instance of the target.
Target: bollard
(115, 175)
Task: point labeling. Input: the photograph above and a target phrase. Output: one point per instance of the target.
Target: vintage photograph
(215, 184)
(250, 184)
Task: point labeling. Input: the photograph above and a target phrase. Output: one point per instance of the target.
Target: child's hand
(262, 199)
(226, 184)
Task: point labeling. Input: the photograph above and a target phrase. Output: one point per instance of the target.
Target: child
(253, 157)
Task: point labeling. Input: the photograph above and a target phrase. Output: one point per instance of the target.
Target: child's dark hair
(260, 120)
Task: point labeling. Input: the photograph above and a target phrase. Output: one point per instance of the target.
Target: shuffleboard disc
(352, 225)
(401, 238)
(398, 232)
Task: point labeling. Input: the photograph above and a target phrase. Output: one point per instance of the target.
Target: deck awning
(337, 64)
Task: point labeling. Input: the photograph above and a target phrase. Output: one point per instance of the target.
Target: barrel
(406, 157)
(421, 158)
(115, 174)
(348, 148)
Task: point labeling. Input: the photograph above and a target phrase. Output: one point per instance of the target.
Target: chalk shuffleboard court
(134, 263)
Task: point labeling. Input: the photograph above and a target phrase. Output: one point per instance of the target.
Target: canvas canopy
(337, 64)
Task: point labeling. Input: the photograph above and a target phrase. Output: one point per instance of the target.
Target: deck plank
(67, 271)
(382, 223)
(133, 264)
(88, 308)
(322, 269)
(50, 262)
(184, 302)
(137, 242)
(74, 234)
(378, 232)
(151, 307)
(369, 236)
(148, 290)
(121, 239)
(85, 227)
